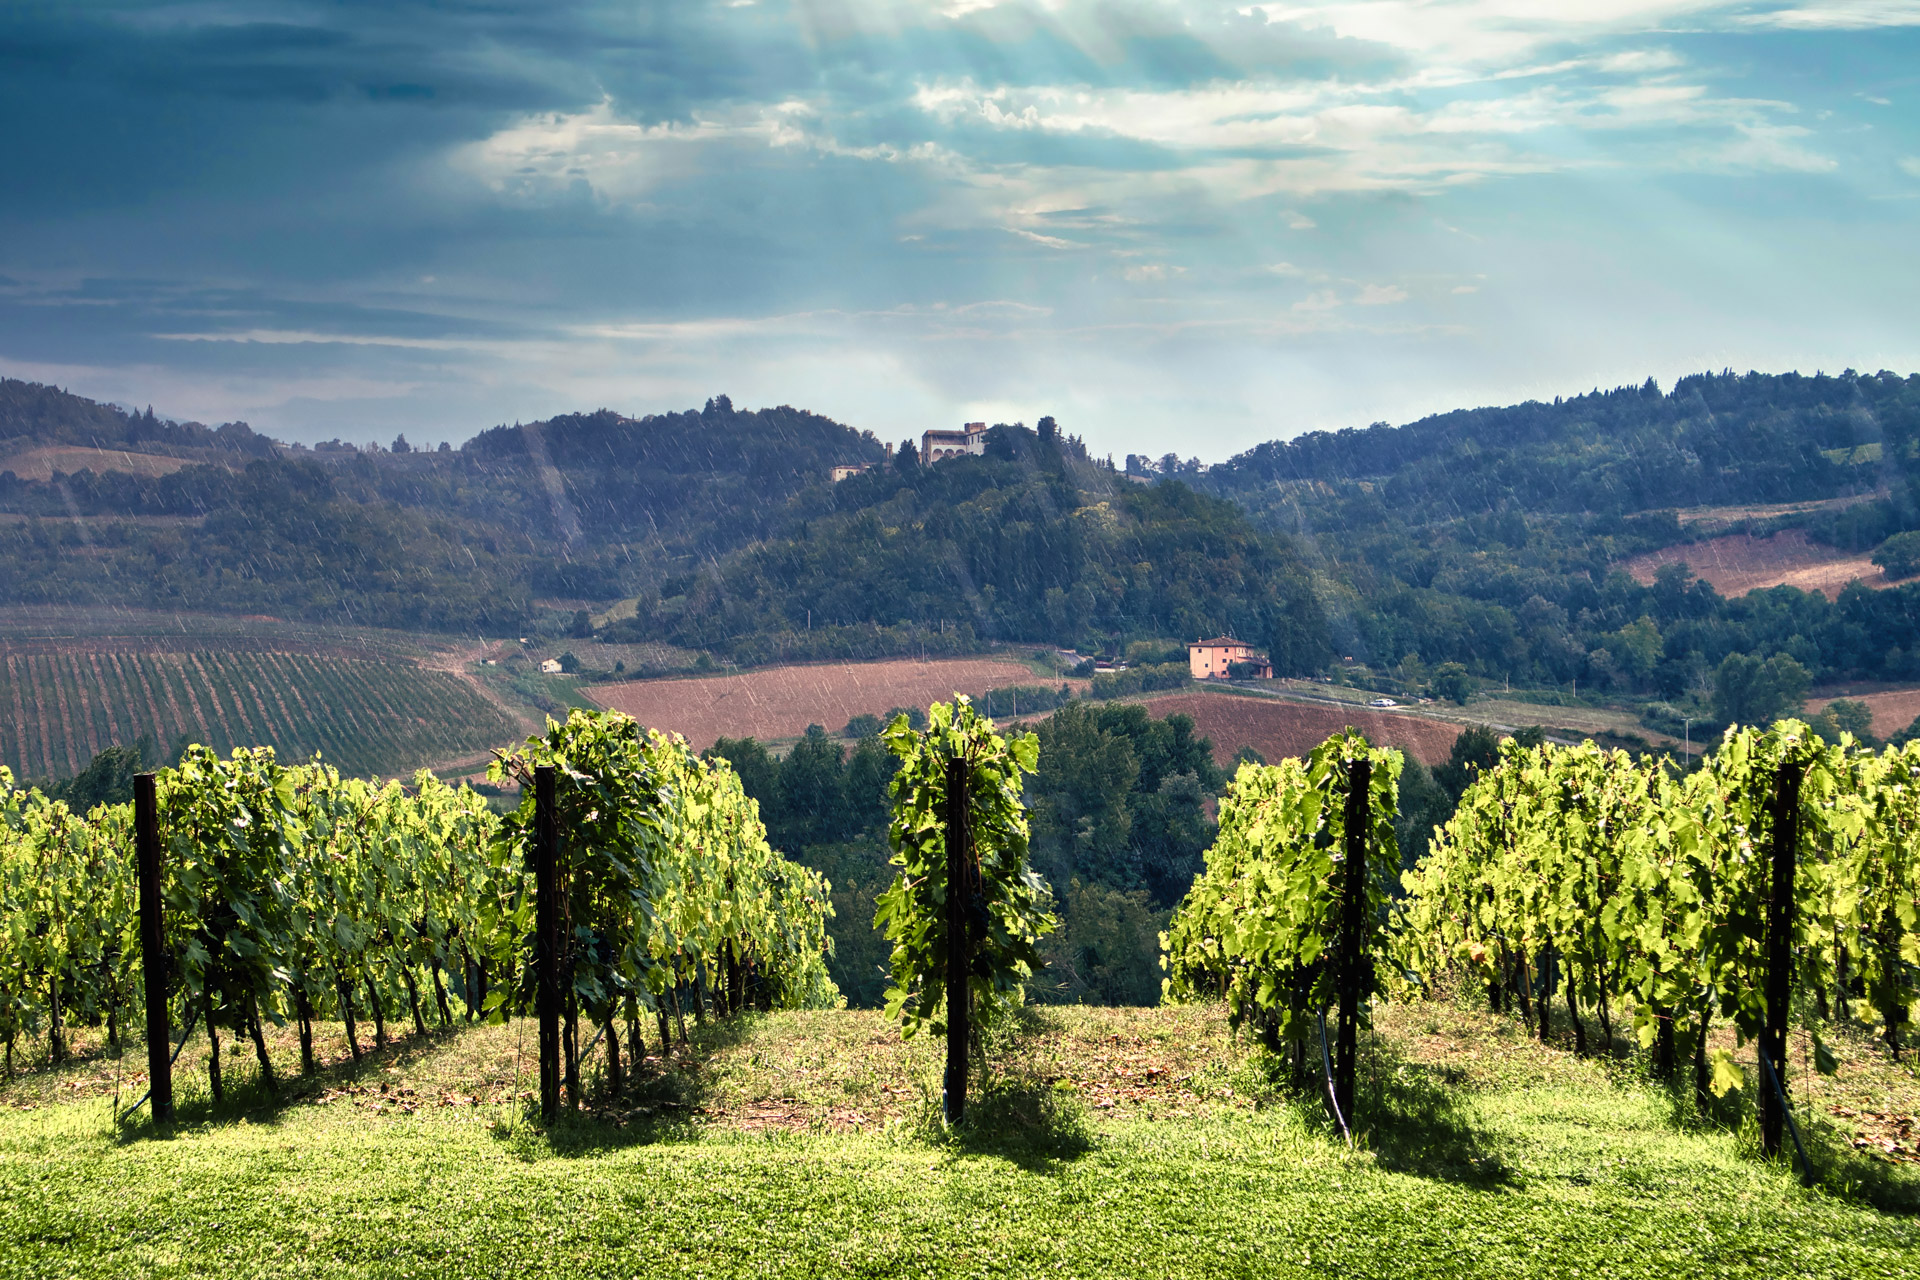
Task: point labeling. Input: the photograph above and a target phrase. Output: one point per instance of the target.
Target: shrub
(1899, 556)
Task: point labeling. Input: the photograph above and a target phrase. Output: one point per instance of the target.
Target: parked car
(1383, 702)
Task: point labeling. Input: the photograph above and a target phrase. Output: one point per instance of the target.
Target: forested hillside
(719, 529)
(1492, 538)
(1715, 439)
(32, 413)
(1487, 538)
(583, 508)
(1033, 541)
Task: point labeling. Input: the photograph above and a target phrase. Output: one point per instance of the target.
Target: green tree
(869, 771)
(1906, 735)
(1637, 647)
(1451, 681)
(1424, 805)
(1747, 690)
(1297, 636)
(813, 791)
(107, 779)
(1081, 820)
(1106, 950)
(1475, 750)
(759, 775)
(1899, 555)
(1854, 717)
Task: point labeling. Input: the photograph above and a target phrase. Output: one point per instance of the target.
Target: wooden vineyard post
(1353, 921)
(153, 945)
(546, 929)
(959, 949)
(1779, 992)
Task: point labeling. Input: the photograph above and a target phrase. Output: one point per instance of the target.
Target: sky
(1174, 226)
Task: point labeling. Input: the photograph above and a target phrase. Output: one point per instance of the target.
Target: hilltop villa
(935, 445)
(1210, 659)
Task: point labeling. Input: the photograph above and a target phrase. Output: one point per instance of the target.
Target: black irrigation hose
(1806, 1169)
(184, 1037)
(588, 1051)
(1332, 1100)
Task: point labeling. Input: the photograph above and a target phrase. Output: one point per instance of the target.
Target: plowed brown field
(41, 463)
(1740, 562)
(1893, 709)
(1277, 728)
(780, 702)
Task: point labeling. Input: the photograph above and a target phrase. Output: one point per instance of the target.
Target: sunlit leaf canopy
(364, 218)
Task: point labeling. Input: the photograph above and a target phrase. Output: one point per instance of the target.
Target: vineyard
(287, 894)
(60, 705)
(1314, 990)
(1776, 888)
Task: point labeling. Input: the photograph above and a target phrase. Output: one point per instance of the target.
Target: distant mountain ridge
(1715, 439)
(1487, 537)
(35, 413)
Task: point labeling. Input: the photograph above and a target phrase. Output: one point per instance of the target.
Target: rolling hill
(1522, 543)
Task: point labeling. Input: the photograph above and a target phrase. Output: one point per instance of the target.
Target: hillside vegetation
(719, 529)
(1033, 541)
(1497, 538)
(1485, 545)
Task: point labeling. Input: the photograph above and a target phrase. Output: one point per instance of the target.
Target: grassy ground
(1102, 1143)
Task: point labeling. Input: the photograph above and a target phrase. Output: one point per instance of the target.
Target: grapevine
(293, 895)
(1260, 926)
(1010, 911)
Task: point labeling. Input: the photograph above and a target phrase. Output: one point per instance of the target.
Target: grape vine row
(293, 894)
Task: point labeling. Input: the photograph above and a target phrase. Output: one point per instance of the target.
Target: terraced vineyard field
(61, 704)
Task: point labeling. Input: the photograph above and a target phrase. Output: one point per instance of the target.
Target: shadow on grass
(1841, 1169)
(1012, 1113)
(1415, 1118)
(1021, 1120)
(1835, 1165)
(658, 1101)
(247, 1096)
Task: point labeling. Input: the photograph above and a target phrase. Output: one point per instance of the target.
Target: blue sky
(1182, 226)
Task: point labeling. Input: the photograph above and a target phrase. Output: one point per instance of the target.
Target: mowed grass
(1103, 1143)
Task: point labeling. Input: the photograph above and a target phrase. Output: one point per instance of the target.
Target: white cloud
(1641, 61)
(1051, 242)
(1841, 15)
(1911, 164)
(1483, 32)
(1762, 148)
(1246, 140)
(620, 161)
(313, 337)
(1321, 300)
(1153, 271)
(1379, 295)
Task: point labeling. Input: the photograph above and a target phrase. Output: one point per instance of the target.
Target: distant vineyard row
(58, 709)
